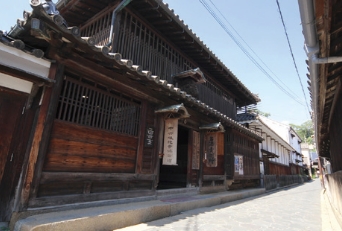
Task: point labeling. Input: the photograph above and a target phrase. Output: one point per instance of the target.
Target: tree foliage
(305, 131)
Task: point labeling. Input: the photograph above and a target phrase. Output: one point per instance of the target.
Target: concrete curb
(123, 215)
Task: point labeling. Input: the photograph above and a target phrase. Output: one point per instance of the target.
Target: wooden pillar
(200, 177)
(160, 130)
(41, 136)
(189, 165)
(140, 151)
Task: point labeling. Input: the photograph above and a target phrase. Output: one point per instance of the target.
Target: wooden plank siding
(75, 148)
(278, 169)
(92, 161)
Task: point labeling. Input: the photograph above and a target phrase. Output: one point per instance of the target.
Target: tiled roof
(20, 49)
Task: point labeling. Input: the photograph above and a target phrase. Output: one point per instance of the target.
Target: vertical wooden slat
(110, 113)
(103, 113)
(79, 113)
(96, 110)
(71, 101)
(76, 101)
(67, 104)
(62, 102)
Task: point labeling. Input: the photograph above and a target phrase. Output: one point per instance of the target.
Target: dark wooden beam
(41, 135)
(104, 75)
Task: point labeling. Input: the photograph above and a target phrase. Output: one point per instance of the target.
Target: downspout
(306, 8)
(122, 5)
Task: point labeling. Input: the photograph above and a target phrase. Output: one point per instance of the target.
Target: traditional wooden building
(322, 24)
(137, 104)
(277, 155)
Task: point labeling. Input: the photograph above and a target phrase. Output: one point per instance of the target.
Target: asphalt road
(298, 208)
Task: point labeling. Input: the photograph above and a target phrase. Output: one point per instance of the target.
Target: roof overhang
(176, 111)
(268, 154)
(196, 74)
(214, 127)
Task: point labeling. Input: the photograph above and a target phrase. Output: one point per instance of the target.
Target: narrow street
(297, 208)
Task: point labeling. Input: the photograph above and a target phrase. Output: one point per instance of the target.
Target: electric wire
(289, 89)
(251, 58)
(293, 58)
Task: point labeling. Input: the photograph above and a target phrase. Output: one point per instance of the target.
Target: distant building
(280, 151)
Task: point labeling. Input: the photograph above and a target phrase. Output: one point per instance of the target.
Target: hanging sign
(211, 149)
(195, 150)
(170, 142)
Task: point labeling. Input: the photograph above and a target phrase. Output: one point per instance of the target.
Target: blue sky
(258, 23)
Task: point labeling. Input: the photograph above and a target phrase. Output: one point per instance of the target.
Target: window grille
(90, 104)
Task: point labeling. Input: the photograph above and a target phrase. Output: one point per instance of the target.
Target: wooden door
(11, 146)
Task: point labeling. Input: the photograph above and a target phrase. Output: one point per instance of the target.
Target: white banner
(170, 142)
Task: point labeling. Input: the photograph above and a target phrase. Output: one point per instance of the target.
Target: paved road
(297, 208)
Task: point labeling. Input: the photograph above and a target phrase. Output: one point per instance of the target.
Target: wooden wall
(84, 160)
(249, 149)
(335, 136)
(75, 148)
(278, 169)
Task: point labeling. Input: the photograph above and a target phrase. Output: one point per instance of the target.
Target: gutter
(122, 5)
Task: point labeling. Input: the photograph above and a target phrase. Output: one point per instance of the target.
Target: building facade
(321, 23)
(137, 103)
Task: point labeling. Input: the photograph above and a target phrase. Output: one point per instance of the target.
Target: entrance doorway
(171, 176)
(13, 138)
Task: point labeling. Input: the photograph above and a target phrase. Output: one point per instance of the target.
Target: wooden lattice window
(90, 104)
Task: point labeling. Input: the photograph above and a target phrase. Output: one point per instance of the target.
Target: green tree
(305, 131)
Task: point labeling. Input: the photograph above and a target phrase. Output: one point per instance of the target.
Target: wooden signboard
(196, 150)
(170, 142)
(211, 149)
(149, 136)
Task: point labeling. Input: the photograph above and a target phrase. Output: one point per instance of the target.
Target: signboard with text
(149, 136)
(170, 142)
(196, 150)
(211, 149)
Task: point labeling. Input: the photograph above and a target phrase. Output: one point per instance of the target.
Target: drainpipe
(122, 5)
(306, 8)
